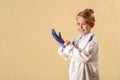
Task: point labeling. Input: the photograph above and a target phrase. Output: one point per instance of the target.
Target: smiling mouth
(82, 30)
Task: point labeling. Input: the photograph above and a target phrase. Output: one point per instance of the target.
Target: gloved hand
(57, 38)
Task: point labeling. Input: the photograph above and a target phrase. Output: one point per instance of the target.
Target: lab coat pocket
(92, 70)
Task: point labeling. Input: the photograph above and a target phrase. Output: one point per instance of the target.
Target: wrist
(66, 43)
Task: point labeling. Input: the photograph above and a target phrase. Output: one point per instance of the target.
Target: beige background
(27, 50)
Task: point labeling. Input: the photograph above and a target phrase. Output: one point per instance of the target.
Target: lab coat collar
(87, 35)
(85, 39)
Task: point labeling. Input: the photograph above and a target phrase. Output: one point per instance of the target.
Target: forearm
(83, 55)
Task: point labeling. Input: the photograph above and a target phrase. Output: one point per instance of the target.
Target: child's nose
(81, 26)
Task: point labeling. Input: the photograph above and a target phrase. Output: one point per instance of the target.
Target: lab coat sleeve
(84, 55)
(62, 53)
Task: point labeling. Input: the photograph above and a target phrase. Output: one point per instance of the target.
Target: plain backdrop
(28, 51)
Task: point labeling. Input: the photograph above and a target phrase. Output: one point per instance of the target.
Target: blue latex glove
(57, 38)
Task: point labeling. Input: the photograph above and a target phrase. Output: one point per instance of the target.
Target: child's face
(82, 26)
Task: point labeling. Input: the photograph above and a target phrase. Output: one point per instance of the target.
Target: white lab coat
(83, 55)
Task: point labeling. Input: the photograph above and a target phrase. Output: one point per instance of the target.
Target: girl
(82, 51)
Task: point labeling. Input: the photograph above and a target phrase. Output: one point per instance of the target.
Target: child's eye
(84, 24)
(78, 23)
